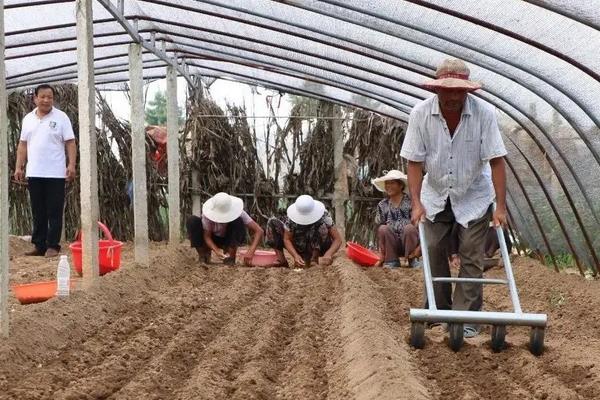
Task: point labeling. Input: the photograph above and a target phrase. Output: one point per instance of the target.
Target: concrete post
(173, 157)
(4, 168)
(340, 190)
(87, 142)
(138, 146)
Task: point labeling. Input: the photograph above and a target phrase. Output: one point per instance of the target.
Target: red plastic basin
(36, 292)
(262, 258)
(361, 255)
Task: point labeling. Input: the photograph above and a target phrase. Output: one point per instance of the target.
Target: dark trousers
(235, 234)
(467, 296)
(393, 245)
(47, 197)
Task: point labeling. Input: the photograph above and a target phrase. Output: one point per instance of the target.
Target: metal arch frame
(565, 159)
(394, 103)
(520, 221)
(544, 133)
(117, 13)
(549, 198)
(498, 29)
(280, 86)
(570, 15)
(558, 149)
(408, 83)
(367, 96)
(445, 38)
(179, 7)
(534, 213)
(288, 23)
(554, 209)
(232, 76)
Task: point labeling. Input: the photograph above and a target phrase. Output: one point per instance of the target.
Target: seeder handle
(427, 268)
(512, 287)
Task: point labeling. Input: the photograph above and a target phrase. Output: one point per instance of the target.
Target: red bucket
(361, 255)
(109, 252)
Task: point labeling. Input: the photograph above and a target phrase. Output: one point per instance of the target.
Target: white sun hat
(391, 175)
(306, 210)
(223, 208)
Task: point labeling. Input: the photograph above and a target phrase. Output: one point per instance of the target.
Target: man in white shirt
(454, 138)
(46, 133)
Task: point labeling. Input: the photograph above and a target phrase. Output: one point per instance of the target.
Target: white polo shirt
(46, 139)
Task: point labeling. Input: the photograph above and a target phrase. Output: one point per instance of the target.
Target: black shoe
(35, 253)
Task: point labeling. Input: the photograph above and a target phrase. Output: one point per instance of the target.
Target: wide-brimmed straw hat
(452, 74)
(223, 208)
(306, 210)
(391, 175)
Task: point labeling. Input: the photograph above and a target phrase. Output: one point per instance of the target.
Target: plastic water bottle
(63, 275)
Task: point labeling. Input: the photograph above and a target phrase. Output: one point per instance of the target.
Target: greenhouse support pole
(173, 157)
(138, 149)
(340, 186)
(88, 168)
(4, 271)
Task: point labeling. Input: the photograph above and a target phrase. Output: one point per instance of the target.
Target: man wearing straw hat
(453, 138)
(222, 226)
(398, 239)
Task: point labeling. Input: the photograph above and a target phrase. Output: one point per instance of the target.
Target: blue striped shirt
(458, 166)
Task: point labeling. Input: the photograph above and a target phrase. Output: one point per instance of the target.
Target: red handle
(104, 230)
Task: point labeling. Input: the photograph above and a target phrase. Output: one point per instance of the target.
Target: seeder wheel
(456, 336)
(498, 336)
(536, 341)
(417, 335)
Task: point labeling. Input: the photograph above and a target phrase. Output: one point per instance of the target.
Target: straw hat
(223, 208)
(306, 210)
(391, 175)
(452, 74)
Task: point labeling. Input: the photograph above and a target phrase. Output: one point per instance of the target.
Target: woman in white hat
(398, 239)
(308, 233)
(223, 226)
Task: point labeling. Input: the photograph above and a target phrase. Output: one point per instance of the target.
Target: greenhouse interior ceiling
(537, 61)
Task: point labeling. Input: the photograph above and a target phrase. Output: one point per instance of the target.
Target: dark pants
(393, 245)
(235, 234)
(491, 242)
(467, 296)
(47, 197)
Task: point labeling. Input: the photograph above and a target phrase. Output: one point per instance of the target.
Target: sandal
(470, 331)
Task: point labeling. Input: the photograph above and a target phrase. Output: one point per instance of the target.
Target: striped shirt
(458, 166)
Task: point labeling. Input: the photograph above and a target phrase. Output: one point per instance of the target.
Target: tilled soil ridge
(181, 330)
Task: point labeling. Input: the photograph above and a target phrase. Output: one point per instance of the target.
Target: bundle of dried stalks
(374, 142)
(223, 152)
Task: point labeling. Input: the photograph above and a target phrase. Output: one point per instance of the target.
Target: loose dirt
(181, 330)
